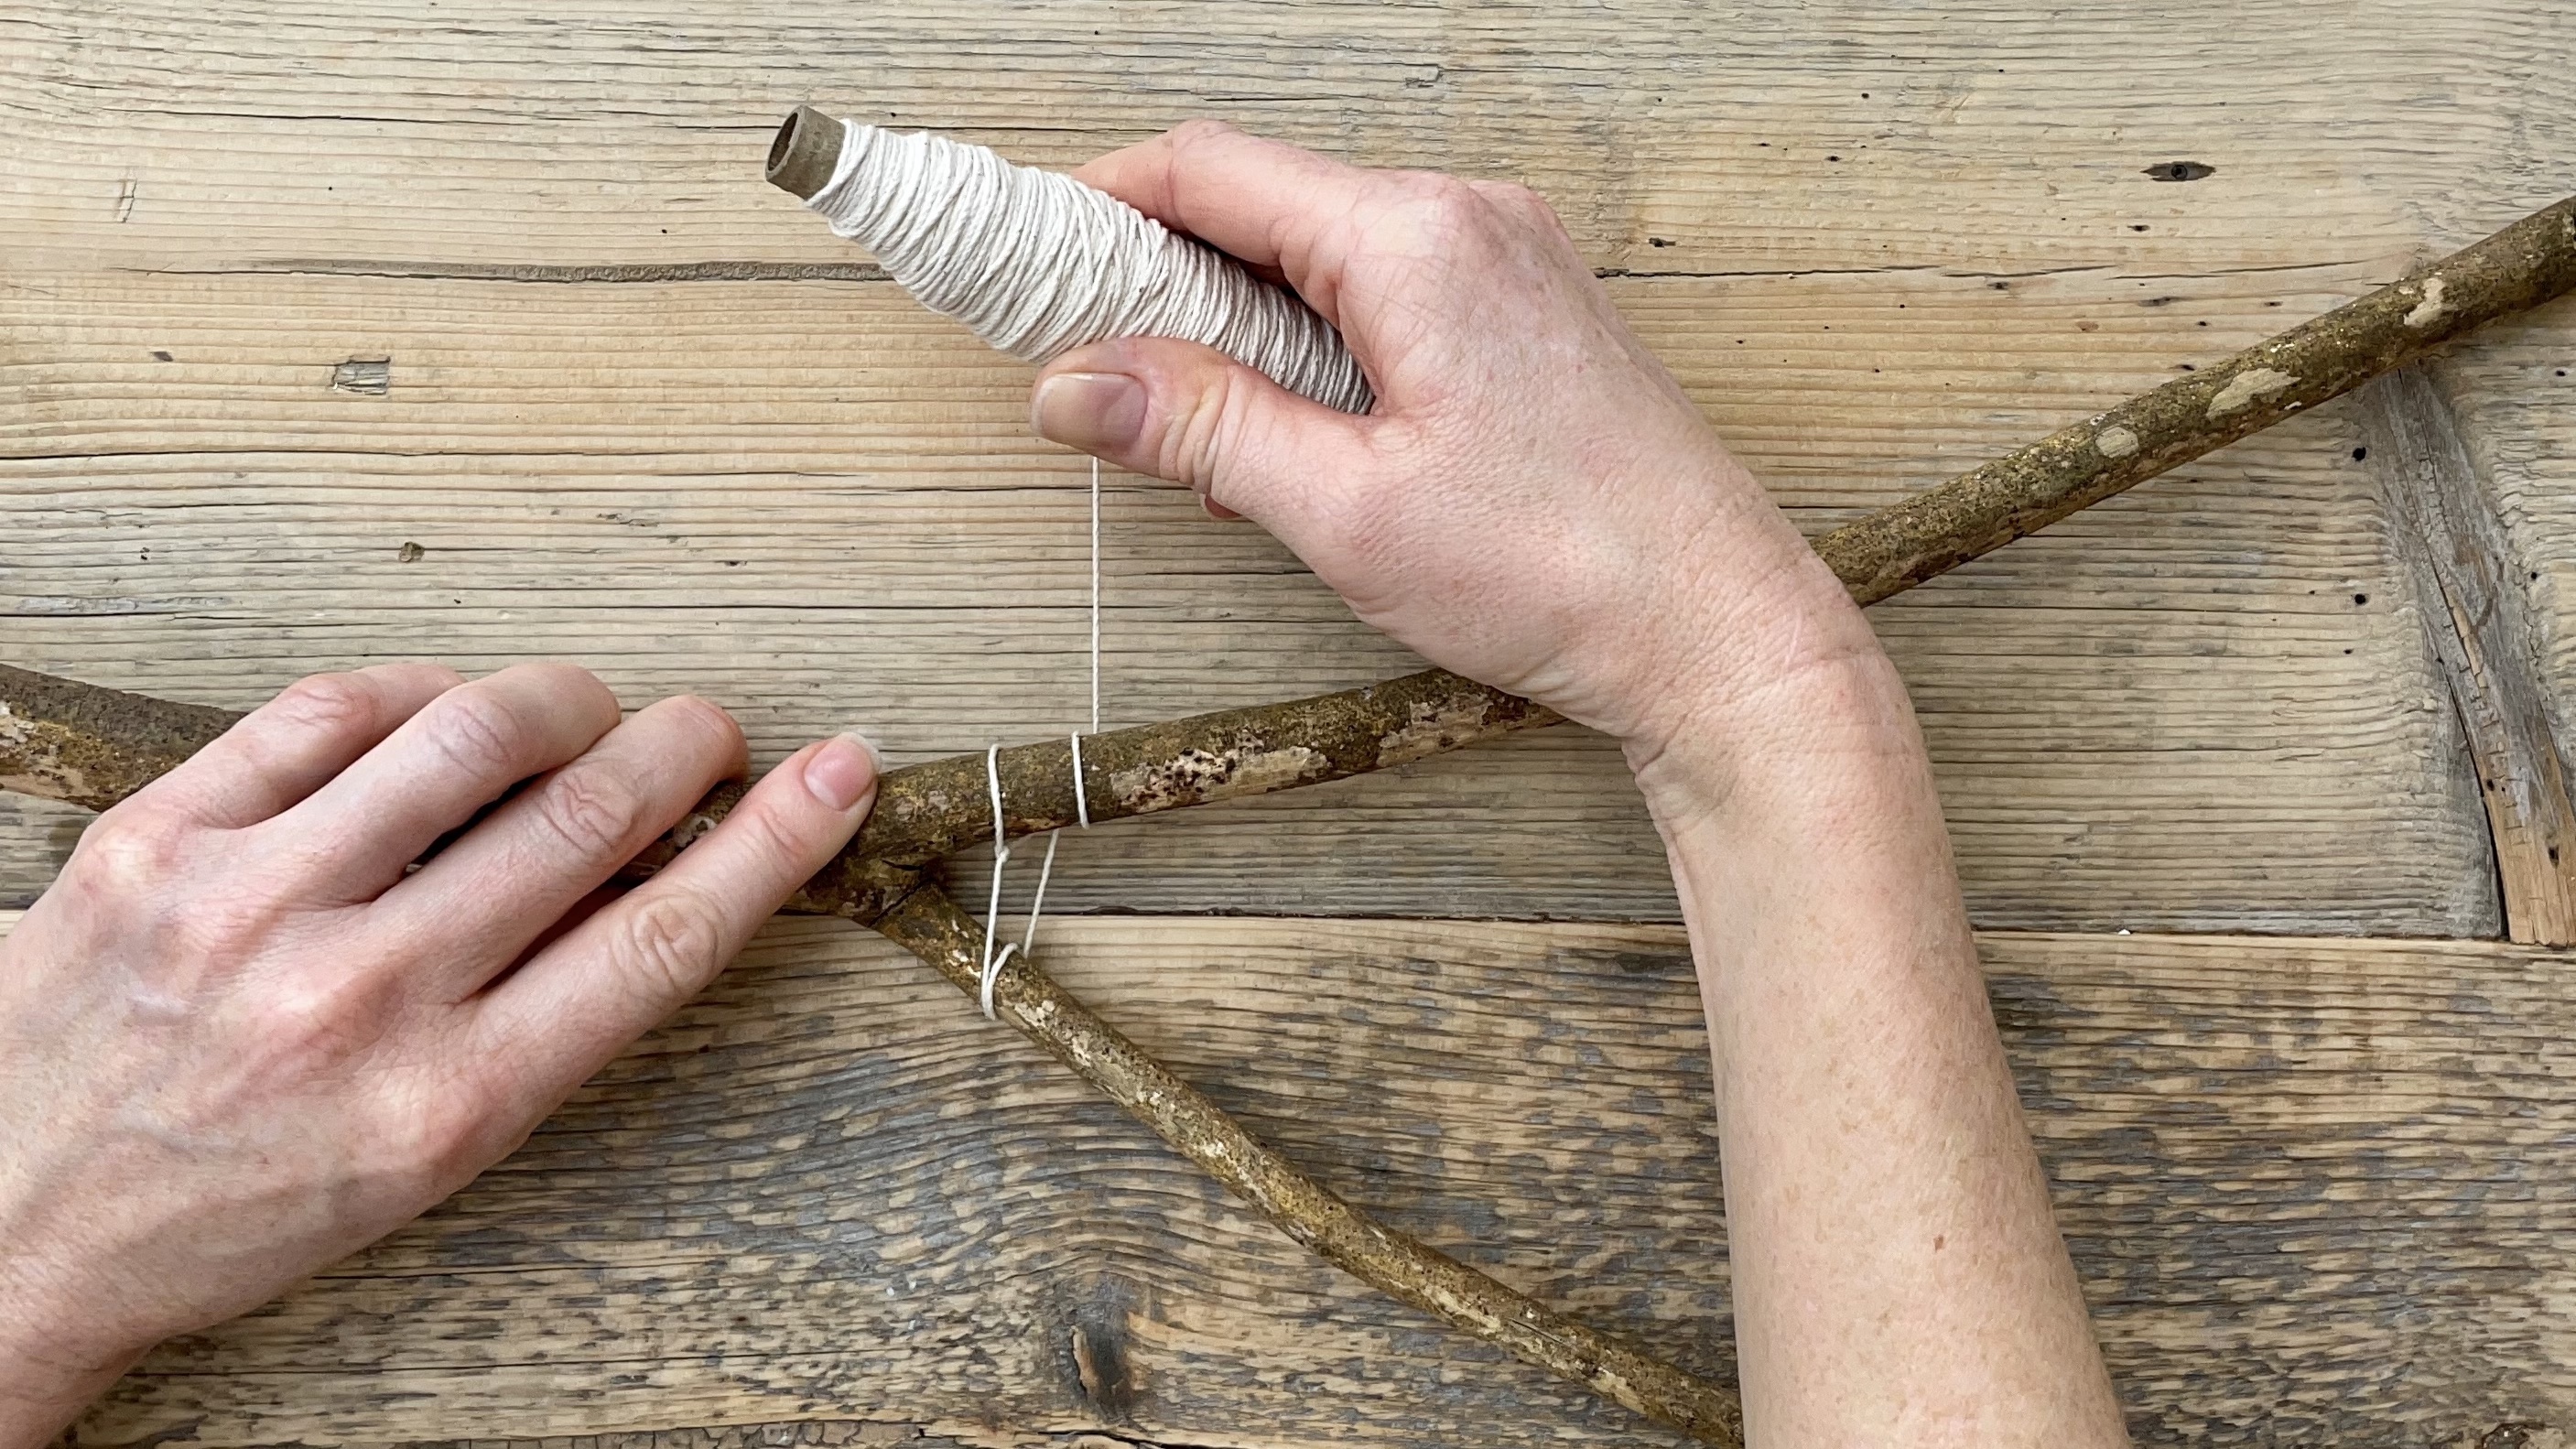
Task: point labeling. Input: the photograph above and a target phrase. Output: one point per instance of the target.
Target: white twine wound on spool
(1036, 263)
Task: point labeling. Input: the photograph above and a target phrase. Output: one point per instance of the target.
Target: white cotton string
(1036, 263)
(994, 960)
(1095, 640)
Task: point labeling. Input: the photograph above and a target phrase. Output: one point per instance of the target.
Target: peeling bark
(69, 741)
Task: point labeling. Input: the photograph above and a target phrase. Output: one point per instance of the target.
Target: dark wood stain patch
(2314, 1187)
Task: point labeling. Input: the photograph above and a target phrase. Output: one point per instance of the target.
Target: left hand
(240, 1039)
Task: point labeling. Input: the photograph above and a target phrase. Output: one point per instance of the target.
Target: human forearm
(1898, 1277)
(1535, 504)
(44, 1384)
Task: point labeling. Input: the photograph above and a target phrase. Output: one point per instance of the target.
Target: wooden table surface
(338, 332)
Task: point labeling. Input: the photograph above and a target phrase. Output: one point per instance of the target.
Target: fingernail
(841, 772)
(1097, 412)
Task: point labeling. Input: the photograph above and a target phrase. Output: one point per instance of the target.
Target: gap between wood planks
(2470, 593)
(872, 1433)
(2308, 1182)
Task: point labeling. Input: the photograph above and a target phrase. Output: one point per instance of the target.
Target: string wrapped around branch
(93, 747)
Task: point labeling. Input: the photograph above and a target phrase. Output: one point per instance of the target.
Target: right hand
(1534, 503)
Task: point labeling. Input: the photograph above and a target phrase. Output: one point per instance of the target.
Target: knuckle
(315, 1021)
(1442, 197)
(559, 686)
(669, 944)
(1520, 201)
(131, 851)
(411, 673)
(446, 674)
(330, 703)
(1194, 448)
(476, 731)
(774, 843)
(433, 1139)
(711, 719)
(1442, 215)
(1201, 129)
(571, 678)
(591, 811)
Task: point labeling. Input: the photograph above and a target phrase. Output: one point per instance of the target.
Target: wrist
(49, 1372)
(1769, 681)
(42, 1390)
(1736, 744)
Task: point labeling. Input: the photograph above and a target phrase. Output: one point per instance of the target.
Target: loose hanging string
(1036, 263)
(993, 960)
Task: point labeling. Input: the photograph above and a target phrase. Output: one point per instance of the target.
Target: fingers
(506, 881)
(609, 980)
(289, 747)
(1259, 200)
(461, 752)
(1192, 415)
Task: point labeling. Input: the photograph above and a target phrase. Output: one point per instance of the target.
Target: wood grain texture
(1769, 135)
(504, 296)
(840, 1433)
(820, 506)
(2515, 401)
(807, 1434)
(2313, 1186)
(483, 338)
(2471, 598)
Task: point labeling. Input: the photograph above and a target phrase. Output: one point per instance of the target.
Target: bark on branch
(932, 927)
(94, 747)
(2518, 268)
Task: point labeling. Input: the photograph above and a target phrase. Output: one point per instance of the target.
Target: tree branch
(94, 747)
(2518, 268)
(932, 927)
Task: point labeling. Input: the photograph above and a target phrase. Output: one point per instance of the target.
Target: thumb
(1190, 414)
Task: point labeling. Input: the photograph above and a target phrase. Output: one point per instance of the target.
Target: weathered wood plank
(2515, 399)
(1674, 137)
(2302, 1175)
(2314, 1187)
(2470, 596)
(808, 1434)
(2201, 706)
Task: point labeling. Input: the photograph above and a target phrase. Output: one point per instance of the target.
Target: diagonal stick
(95, 746)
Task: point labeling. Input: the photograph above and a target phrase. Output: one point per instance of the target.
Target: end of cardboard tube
(805, 153)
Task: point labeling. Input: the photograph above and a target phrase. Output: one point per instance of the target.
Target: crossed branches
(93, 747)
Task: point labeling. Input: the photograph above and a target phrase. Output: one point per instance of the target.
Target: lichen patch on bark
(2116, 441)
(2428, 311)
(2246, 387)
